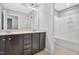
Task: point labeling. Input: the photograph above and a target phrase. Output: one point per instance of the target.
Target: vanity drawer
(27, 51)
(26, 46)
(27, 41)
(27, 36)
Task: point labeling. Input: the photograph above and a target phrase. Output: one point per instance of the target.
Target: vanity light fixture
(31, 5)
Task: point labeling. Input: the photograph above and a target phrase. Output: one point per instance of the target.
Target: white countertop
(18, 32)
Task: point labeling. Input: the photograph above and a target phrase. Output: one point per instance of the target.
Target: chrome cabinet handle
(9, 38)
(3, 39)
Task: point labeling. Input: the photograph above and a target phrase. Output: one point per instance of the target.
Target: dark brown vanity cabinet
(22, 44)
(11, 45)
(42, 40)
(38, 42)
(35, 42)
(2, 45)
(14, 45)
(27, 44)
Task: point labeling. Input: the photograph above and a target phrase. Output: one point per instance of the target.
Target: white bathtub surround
(69, 45)
(67, 30)
(61, 50)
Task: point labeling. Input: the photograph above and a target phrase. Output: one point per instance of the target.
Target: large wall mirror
(8, 21)
(13, 20)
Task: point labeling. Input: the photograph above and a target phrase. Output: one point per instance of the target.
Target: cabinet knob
(9, 38)
(3, 39)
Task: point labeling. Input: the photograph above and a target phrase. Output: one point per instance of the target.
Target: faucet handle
(3, 39)
(10, 38)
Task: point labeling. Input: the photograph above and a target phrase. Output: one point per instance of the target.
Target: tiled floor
(42, 53)
(59, 50)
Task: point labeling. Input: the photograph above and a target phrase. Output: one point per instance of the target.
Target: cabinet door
(14, 45)
(18, 44)
(2, 45)
(42, 40)
(35, 43)
(9, 45)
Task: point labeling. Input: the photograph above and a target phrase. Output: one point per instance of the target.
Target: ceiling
(17, 7)
(23, 7)
(61, 6)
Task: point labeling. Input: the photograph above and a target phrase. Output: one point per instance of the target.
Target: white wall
(34, 20)
(23, 21)
(46, 23)
(15, 22)
(67, 28)
(61, 6)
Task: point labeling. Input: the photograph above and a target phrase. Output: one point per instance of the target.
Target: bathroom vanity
(28, 41)
(22, 43)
